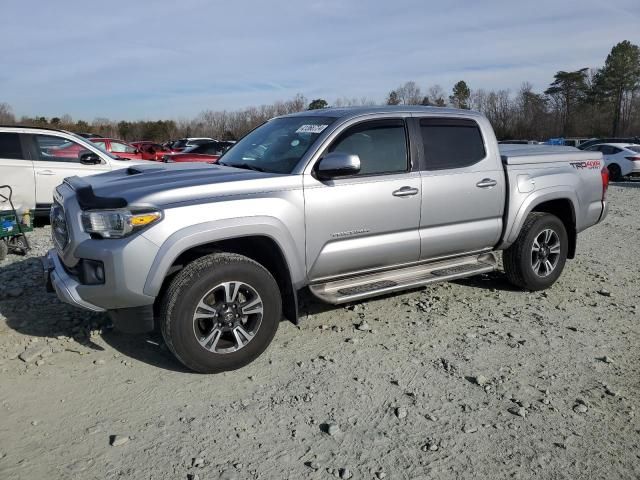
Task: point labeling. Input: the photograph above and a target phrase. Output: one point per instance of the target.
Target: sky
(137, 60)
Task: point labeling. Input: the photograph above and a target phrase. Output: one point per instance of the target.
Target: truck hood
(159, 184)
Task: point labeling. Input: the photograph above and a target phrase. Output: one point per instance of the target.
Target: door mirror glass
(338, 164)
(89, 158)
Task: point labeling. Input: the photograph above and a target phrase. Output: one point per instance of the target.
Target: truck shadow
(29, 310)
(496, 280)
(310, 305)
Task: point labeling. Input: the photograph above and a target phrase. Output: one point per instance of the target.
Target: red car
(151, 150)
(207, 152)
(118, 148)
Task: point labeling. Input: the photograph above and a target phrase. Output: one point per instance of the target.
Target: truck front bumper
(58, 280)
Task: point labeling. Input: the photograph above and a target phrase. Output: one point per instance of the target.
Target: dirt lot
(465, 380)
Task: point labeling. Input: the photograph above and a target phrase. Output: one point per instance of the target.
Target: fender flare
(209, 232)
(530, 203)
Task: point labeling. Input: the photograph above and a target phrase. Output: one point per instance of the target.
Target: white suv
(34, 160)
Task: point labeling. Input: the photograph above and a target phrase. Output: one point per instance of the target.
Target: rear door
(369, 220)
(463, 188)
(16, 170)
(56, 158)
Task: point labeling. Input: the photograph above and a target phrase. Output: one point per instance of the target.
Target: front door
(56, 158)
(369, 220)
(463, 188)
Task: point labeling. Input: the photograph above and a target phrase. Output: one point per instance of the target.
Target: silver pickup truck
(347, 202)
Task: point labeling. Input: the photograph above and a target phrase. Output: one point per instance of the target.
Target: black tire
(3, 249)
(519, 259)
(615, 174)
(191, 284)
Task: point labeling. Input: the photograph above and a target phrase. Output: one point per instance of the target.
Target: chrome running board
(373, 284)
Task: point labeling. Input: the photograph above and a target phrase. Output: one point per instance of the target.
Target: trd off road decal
(590, 164)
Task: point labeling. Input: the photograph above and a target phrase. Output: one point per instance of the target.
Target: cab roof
(342, 112)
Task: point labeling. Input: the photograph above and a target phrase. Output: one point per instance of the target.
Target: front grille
(59, 229)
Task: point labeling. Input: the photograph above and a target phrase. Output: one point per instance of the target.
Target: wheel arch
(562, 204)
(269, 248)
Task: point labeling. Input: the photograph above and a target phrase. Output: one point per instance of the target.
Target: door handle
(405, 192)
(45, 172)
(486, 183)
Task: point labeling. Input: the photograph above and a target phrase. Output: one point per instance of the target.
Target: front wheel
(537, 257)
(220, 312)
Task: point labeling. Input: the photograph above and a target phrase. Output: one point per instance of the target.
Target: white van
(35, 160)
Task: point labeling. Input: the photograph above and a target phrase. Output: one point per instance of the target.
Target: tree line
(589, 102)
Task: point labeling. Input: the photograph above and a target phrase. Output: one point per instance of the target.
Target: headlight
(117, 223)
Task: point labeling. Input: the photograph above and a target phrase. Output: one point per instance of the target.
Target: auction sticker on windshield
(311, 128)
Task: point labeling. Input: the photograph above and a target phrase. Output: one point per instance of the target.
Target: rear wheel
(220, 312)
(537, 257)
(3, 249)
(614, 172)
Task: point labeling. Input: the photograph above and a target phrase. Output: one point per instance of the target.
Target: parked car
(89, 135)
(348, 203)
(567, 142)
(596, 141)
(518, 142)
(119, 148)
(34, 160)
(183, 143)
(207, 152)
(151, 150)
(622, 159)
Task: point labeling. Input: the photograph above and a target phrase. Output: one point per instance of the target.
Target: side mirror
(337, 164)
(89, 158)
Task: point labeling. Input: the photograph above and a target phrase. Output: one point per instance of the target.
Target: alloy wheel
(227, 317)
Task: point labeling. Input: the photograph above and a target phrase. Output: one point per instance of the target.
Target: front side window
(100, 145)
(277, 145)
(50, 148)
(451, 143)
(380, 144)
(10, 146)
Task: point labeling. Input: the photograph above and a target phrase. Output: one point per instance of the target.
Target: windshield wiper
(246, 166)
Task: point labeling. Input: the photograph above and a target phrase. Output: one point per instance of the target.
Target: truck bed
(532, 154)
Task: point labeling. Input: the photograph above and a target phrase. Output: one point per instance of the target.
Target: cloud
(164, 59)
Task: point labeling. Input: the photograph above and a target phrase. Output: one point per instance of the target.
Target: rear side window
(609, 150)
(381, 146)
(10, 146)
(451, 143)
(117, 147)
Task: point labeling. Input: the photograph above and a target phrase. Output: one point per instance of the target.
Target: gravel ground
(471, 379)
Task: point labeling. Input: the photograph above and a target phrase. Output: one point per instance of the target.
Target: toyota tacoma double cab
(348, 203)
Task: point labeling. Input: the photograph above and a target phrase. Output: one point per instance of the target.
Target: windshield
(276, 146)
